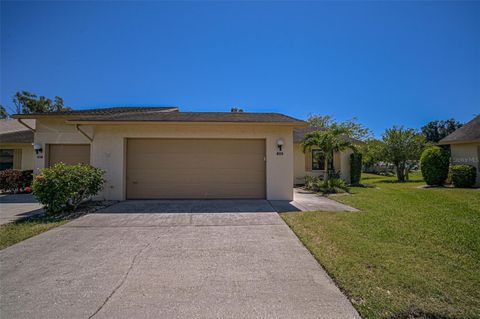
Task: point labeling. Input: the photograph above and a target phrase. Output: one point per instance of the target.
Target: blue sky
(386, 63)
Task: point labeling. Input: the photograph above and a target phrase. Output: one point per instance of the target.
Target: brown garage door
(68, 153)
(195, 168)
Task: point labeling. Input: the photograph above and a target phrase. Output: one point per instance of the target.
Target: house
(465, 145)
(160, 152)
(16, 149)
(311, 163)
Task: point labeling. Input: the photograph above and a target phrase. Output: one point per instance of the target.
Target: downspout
(26, 125)
(77, 126)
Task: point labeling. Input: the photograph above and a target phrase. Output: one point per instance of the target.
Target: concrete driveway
(17, 206)
(181, 265)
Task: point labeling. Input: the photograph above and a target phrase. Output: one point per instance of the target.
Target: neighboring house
(465, 145)
(312, 163)
(159, 152)
(16, 150)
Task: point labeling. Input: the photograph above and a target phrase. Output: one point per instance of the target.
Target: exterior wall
(26, 160)
(467, 154)
(55, 131)
(108, 148)
(341, 162)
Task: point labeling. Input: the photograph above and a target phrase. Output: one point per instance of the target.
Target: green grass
(411, 252)
(15, 232)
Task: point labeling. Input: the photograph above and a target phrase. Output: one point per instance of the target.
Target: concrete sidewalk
(17, 206)
(181, 265)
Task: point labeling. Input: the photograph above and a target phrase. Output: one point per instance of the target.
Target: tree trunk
(400, 171)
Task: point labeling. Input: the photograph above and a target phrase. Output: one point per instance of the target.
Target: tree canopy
(434, 131)
(350, 128)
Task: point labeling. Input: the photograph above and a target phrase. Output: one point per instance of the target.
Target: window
(6, 159)
(318, 161)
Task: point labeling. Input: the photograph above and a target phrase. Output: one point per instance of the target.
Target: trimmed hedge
(355, 168)
(434, 163)
(63, 187)
(463, 175)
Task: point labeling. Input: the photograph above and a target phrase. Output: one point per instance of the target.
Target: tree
(3, 112)
(401, 146)
(351, 127)
(328, 141)
(372, 151)
(26, 102)
(236, 109)
(434, 131)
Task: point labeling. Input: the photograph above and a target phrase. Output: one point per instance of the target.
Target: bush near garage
(63, 187)
(434, 163)
(463, 175)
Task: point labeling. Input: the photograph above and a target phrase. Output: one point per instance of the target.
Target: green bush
(355, 168)
(334, 185)
(463, 175)
(63, 187)
(10, 180)
(434, 165)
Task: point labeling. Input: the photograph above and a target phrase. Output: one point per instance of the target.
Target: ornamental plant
(434, 164)
(355, 168)
(463, 175)
(10, 180)
(61, 188)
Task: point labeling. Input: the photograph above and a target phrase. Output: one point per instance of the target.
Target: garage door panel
(168, 168)
(70, 154)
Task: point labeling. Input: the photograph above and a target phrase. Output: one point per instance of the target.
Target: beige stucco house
(465, 145)
(160, 152)
(16, 150)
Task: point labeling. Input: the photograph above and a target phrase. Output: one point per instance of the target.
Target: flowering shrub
(63, 187)
(10, 180)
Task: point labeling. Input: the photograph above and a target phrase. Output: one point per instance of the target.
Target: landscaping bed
(409, 253)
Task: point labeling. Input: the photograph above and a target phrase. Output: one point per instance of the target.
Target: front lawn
(410, 252)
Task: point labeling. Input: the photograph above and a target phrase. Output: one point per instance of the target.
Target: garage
(195, 168)
(70, 154)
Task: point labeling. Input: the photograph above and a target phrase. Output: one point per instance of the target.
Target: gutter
(26, 125)
(77, 126)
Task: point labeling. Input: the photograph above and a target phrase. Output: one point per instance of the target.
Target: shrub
(27, 178)
(463, 175)
(10, 180)
(434, 165)
(63, 187)
(355, 168)
(334, 185)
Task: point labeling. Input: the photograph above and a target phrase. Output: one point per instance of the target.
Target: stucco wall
(55, 131)
(341, 162)
(27, 153)
(108, 148)
(467, 154)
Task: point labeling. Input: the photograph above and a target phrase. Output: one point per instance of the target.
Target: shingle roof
(232, 117)
(467, 133)
(25, 136)
(103, 111)
(10, 125)
(299, 133)
(165, 114)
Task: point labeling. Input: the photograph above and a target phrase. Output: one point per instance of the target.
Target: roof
(25, 136)
(164, 114)
(469, 132)
(299, 133)
(10, 125)
(208, 117)
(102, 111)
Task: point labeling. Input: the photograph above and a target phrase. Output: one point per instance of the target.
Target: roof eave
(120, 122)
(447, 142)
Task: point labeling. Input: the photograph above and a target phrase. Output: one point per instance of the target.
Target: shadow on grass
(391, 181)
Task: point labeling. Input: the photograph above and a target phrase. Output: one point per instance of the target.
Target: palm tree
(329, 141)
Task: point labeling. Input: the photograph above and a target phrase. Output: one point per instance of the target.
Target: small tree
(434, 164)
(401, 146)
(372, 152)
(329, 141)
(350, 127)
